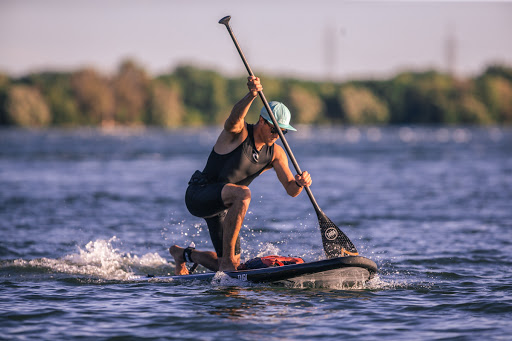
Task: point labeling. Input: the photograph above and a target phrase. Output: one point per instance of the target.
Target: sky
(319, 40)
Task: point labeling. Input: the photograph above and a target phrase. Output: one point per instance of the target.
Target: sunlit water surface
(86, 214)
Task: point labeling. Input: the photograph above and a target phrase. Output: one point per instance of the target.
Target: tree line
(193, 96)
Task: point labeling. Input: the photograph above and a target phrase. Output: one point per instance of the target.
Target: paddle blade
(336, 243)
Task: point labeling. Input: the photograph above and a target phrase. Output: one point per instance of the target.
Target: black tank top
(242, 165)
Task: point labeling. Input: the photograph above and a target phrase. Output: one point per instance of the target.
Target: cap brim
(287, 126)
(281, 125)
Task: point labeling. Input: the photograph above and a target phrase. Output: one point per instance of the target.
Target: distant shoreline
(193, 97)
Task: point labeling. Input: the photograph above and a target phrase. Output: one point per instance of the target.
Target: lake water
(84, 214)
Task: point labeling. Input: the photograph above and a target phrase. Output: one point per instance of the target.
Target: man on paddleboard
(219, 193)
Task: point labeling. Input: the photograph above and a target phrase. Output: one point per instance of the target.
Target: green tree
(361, 106)
(306, 106)
(94, 97)
(427, 97)
(472, 111)
(166, 106)
(26, 107)
(332, 112)
(204, 92)
(499, 70)
(56, 89)
(4, 88)
(131, 91)
(496, 92)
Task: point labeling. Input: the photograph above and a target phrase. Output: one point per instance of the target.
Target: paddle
(336, 243)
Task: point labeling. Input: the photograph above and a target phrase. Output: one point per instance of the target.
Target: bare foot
(177, 253)
(227, 264)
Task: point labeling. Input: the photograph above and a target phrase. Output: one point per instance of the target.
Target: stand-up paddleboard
(346, 271)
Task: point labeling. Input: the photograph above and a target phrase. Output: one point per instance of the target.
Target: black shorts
(204, 200)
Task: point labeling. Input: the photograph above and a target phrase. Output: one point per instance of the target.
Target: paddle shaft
(225, 21)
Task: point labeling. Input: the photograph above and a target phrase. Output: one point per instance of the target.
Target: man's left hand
(304, 179)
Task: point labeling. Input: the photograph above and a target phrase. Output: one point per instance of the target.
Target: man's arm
(235, 123)
(292, 185)
(235, 131)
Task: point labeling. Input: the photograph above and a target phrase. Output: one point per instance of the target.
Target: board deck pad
(348, 270)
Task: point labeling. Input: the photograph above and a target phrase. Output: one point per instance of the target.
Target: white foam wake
(102, 260)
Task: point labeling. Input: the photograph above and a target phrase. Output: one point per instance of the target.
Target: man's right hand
(254, 85)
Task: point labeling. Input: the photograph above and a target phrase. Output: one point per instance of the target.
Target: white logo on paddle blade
(331, 233)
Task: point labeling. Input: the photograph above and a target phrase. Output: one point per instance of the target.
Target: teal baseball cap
(281, 113)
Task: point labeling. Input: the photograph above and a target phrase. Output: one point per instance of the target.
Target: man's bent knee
(235, 193)
(244, 193)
